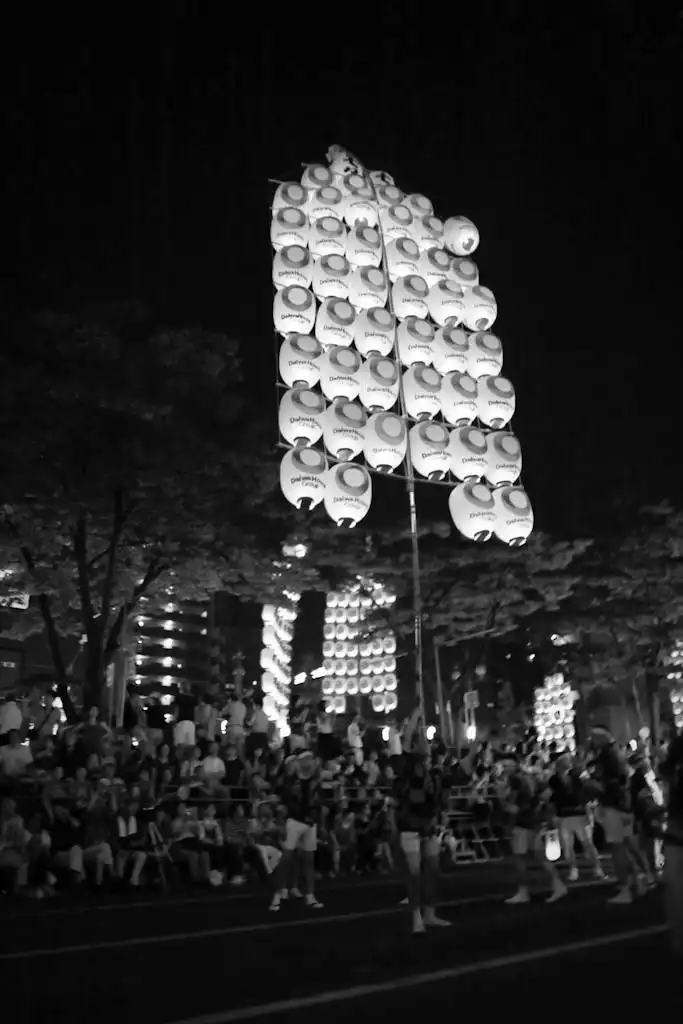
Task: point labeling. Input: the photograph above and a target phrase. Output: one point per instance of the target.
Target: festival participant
(568, 797)
(672, 774)
(615, 811)
(419, 799)
(301, 797)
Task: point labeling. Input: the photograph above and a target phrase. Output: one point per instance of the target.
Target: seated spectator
(14, 757)
(185, 848)
(44, 755)
(38, 852)
(212, 843)
(234, 767)
(366, 839)
(66, 838)
(94, 768)
(190, 764)
(131, 842)
(213, 766)
(343, 838)
(79, 789)
(13, 845)
(372, 769)
(92, 733)
(236, 833)
(70, 755)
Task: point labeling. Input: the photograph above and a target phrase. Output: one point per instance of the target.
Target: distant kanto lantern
(390, 365)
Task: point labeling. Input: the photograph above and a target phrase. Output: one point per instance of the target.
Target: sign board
(472, 699)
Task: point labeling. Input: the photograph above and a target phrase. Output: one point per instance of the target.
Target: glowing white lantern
(446, 303)
(352, 687)
(292, 265)
(303, 474)
(299, 360)
(360, 206)
(388, 196)
(467, 449)
(348, 493)
(378, 703)
(553, 846)
(472, 510)
(365, 685)
(485, 355)
(402, 258)
(415, 337)
(495, 401)
(419, 205)
(480, 309)
(503, 458)
(397, 222)
(460, 236)
(340, 705)
(429, 450)
(327, 237)
(409, 297)
(465, 272)
(316, 176)
(293, 310)
(434, 265)
(428, 232)
(326, 202)
(385, 443)
(421, 388)
(380, 179)
(344, 429)
(335, 322)
(364, 247)
(379, 385)
(389, 645)
(459, 399)
(514, 515)
(368, 288)
(290, 193)
(375, 331)
(331, 277)
(450, 349)
(328, 686)
(390, 702)
(289, 227)
(339, 372)
(328, 649)
(301, 416)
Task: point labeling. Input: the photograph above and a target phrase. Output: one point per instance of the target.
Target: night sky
(142, 138)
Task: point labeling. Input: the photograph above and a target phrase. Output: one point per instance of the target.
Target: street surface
(220, 956)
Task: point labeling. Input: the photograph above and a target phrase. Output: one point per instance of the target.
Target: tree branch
(154, 570)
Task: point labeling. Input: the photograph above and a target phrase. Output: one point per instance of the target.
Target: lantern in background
(348, 493)
(292, 265)
(339, 368)
(360, 205)
(368, 288)
(335, 323)
(289, 227)
(472, 510)
(485, 355)
(414, 338)
(375, 331)
(434, 265)
(554, 712)
(300, 361)
(495, 401)
(301, 416)
(379, 384)
(290, 193)
(468, 452)
(450, 349)
(303, 473)
(514, 515)
(422, 387)
(428, 232)
(316, 176)
(446, 303)
(364, 247)
(481, 309)
(503, 458)
(327, 237)
(465, 272)
(344, 429)
(460, 236)
(276, 653)
(331, 277)
(396, 222)
(409, 297)
(385, 442)
(326, 202)
(388, 196)
(429, 449)
(402, 256)
(419, 205)
(458, 399)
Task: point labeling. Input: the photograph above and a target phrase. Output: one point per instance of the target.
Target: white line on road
(269, 1010)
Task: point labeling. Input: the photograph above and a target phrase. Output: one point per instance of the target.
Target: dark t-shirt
(567, 795)
(185, 706)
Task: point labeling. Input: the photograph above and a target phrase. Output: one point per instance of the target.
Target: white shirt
(10, 717)
(353, 736)
(238, 713)
(214, 766)
(259, 721)
(15, 760)
(325, 725)
(394, 743)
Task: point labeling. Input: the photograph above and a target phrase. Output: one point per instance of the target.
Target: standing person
(92, 733)
(420, 803)
(325, 729)
(354, 738)
(568, 797)
(184, 731)
(236, 711)
(257, 740)
(301, 797)
(614, 812)
(672, 775)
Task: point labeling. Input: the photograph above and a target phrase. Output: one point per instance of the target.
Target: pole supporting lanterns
(385, 328)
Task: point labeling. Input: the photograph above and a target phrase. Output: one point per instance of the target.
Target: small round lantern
(379, 384)
(397, 222)
(339, 368)
(465, 272)
(388, 196)
(419, 205)
(375, 331)
(364, 247)
(290, 193)
(402, 258)
(316, 176)
(481, 309)
(503, 458)
(390, 702)
(472, 510)
(514, 515)
(344, 429)
(415, 339)
(301, 416)
(327, 237)
(331, 277)
(360, 205)
(292, 265)
(385, 443)
(460, 236)
(409, 297)
(326, 202)
(485, 357)
(422, 388)
(450, 349)
(495, 401)
(459, 399)
(428, 232)
(434, 265)
(303, 477)
(378, 703)
(335, 323)
(368, 288)
(289, 227)
(446, 303)
(348, 493)
(294, 310)
(300, 360)
(429, 450)
(469, 457)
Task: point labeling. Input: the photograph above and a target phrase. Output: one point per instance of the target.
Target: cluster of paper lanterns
(386, 347)
(675, 678)
(554, 712)
(353, 663)
(276, 653)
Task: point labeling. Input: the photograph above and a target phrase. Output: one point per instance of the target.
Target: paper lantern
(419, 205)
(485, 356)
(339, 368)
(553, 846)
(446, 303)
(402, 255)
(364, 247)
(409, 297)
(381, 179)
(331, 277)
(365, 685)
(389, 664)
(480, 309)
(469, 457)
(328, 686)
(514, 515)
(316, 176)
(290, 193)
(344, 429)
(397, 222)
(326, 202)
(450, 349)
(434, 265)
(365, 665)
(390, 702)
(378, 702)
(368, 288)
(388, 196)
(328, 649)
(340, 649)
(465, 272)
(299, 360)
(327, 237)
(289, 227)
(460, 236)
(459, 399)
(504, 458)
(375, 331)
(428, 232)
(360, 206)
(389, 644)
(340, 705)
(385, 443)
(429, 450)
(293, 310)
(352, 687)
(495, 401)
(472, 510)
(303, 474)
(335, 323)
(378, 684)
(301, 416)
(348, 493)
(379, 384)
(340, 670)
(414, 338)
(421, 388)
(292, 265)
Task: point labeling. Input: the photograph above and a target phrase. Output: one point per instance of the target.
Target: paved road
(222, 957)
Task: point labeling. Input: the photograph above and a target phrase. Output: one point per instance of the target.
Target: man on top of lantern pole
(420, 802)
(301, 797)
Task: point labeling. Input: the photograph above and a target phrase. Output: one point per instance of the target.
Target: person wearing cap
(301, 797)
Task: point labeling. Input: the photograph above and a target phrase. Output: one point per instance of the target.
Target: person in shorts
(569, 801)
(301, 797)
(610, 783)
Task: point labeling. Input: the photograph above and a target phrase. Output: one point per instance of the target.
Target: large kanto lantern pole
(378, 305)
